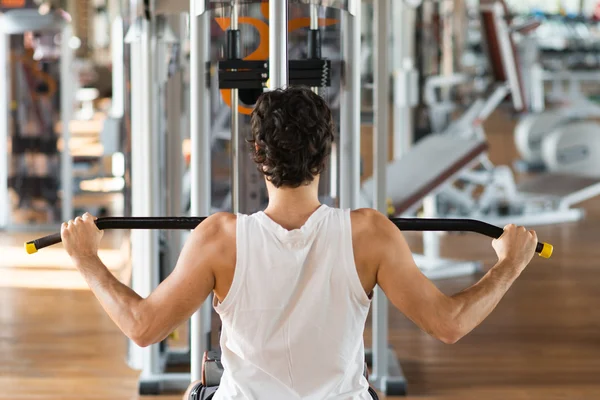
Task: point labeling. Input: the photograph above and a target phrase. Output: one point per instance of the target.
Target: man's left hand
(81, 237)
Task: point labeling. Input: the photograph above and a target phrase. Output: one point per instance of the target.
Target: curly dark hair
(292, 133)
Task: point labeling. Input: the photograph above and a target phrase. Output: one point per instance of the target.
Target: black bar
(235, 76)
(230, 76)
(251, 84)
(243, 64)
(264, 64)
(309, 64)
(314, 44)
(189, 223)
(306, 74)
(233, 44)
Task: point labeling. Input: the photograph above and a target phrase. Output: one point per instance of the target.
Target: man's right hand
(516, 246)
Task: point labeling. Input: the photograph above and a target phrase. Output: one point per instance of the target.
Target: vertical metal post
(380, 142)
(314, 15)
(314, 25)
(235, 129)
(537, 88)
(5, 93)
(349, 166)
(158, 139)
(150, 180)
(200, 160)
(118, 68)
(405, 76)
(431, 240)
(144, 243)
(176, 113)
(66, 110)
(136, 357)
(174, 158)
(278, 42)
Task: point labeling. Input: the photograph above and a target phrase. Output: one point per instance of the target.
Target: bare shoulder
(217, 230)
(372, 233)
(368, 223)
(218, 222)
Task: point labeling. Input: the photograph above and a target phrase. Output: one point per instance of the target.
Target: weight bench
(432, 164)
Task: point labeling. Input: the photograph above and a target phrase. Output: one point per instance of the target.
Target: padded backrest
(501, 49)
(430, 163)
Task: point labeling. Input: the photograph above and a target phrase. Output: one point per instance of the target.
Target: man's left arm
(147, 320)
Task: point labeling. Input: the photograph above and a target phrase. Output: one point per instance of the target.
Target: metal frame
(46, 23)
(278, 44)
(66, 111)
(235, 129)
(144, 244)
(149, 81)
(118, 69)
(349, 164)
(177, 112)
(508, 61)
(200, 164)
(386, 372)
(5, 92)
(405, 76)
(278, 75)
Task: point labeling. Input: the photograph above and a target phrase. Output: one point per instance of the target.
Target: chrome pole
(235, 129)
(349, 170)
(278, 42)
(200, 167)
(380, 145)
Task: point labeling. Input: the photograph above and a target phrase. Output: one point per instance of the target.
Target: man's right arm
(447, 318)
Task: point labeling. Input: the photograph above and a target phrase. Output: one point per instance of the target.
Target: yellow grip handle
(547, 250)
(30, 248)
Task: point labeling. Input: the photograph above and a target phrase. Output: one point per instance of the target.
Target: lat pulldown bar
(188, 223)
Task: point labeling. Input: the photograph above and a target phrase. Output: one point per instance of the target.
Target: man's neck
(292, 207)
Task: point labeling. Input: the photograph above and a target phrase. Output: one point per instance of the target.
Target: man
(293, 284)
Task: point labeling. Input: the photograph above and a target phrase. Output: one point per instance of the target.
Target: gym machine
(242, 75)
(35, 111)
(565, 139)
(242, 80)
(563, 55)
(545, 199)
(156, 36)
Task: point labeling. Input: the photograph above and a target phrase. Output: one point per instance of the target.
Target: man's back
(294, 307)
(294, 315)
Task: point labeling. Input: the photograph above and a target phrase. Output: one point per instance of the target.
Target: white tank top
(293, 320)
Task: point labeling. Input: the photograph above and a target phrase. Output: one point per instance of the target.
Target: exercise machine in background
(265, 68)
(566, 137)
(480, 189)
(36, 104)
(159, 110)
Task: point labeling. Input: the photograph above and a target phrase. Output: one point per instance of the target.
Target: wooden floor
(542, 342)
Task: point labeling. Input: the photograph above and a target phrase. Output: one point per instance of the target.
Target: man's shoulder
(222, 219)
(366, 219)
(366, 225)
(219, 227)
